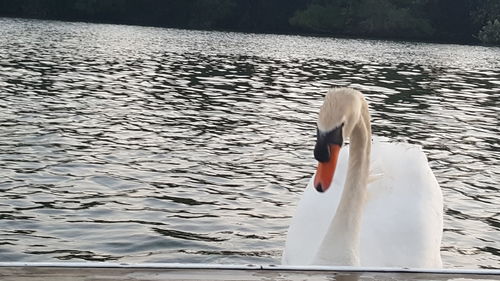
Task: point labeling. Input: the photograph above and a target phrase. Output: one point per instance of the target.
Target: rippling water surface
(138, 144)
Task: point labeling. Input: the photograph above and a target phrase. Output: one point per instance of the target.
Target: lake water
(140, 144)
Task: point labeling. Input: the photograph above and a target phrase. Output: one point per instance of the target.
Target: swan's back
(402, 219)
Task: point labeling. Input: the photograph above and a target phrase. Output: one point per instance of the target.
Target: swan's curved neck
(340, 245)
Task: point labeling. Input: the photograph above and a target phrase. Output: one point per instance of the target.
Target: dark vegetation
(461, 21)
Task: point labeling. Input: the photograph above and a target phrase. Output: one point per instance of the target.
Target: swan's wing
(402, 223)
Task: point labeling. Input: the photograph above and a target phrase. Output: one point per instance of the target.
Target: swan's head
(338, 116)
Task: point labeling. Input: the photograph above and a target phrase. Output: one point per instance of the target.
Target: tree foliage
(323, 16)
(441, 20)
(490, 33)
(486, 17)
(385, 18)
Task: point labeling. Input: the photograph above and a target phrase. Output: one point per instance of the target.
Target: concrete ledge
(158, 271)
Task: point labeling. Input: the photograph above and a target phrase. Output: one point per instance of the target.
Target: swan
(373, 205)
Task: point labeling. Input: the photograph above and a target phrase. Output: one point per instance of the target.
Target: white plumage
(400, 216)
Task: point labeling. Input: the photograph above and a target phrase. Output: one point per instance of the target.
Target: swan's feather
(402, 219)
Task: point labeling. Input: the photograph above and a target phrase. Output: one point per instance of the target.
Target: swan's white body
(400, 217)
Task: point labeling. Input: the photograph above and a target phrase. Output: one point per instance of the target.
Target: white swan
(382, 207)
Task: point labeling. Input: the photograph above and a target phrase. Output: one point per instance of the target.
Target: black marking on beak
(321, 150)
(323, 140)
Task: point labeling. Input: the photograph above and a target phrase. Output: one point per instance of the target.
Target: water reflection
(155, 145)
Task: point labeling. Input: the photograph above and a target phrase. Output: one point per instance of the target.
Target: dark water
(137, 144)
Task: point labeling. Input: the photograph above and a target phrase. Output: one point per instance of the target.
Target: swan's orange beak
(326, 170)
